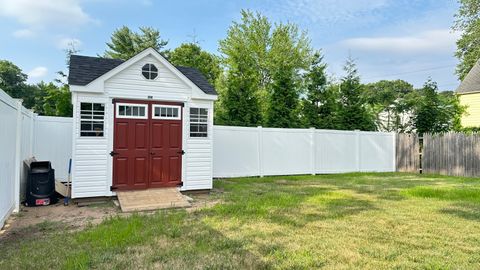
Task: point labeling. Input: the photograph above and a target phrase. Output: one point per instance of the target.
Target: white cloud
(431, 41)
(24, 33)
(67, 43)
(39, 14)
(37, 72)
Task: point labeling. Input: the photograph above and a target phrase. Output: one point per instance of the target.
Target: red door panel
(166, 143)
(148, 151)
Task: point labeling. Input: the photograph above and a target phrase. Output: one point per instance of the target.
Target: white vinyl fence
(23, 135)
(243, 151)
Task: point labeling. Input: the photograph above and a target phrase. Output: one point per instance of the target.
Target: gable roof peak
(471, 82)
(86, 69)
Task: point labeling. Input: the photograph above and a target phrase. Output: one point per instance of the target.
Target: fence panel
(377, 152)
(336, 151)
(53, 142)
(236, 152)
(8, 135)
(455, 154)
(240, 151)
(285, 151)
(408, 153)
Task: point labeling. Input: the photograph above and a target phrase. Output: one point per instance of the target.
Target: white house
(138, 124)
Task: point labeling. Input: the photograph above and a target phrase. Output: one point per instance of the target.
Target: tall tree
(126, 43)
(390, 103)
(191, 55)
(468, 46)
(320, 104)
(434, 112)
(12, 79)
(354, 113)
(245, 58)
(288, 55)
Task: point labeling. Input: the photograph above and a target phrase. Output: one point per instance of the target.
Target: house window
(168, 112)
(198, 122)
(127, 110)
(92, 119)
(149, 71)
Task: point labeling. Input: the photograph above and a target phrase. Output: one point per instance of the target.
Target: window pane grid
(92, 119)
(131, 111)
(198, 122)
(167, 112)
(149, 71)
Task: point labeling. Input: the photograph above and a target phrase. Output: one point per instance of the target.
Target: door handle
(152, 153)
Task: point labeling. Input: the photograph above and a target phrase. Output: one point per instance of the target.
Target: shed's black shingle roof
(85, 69)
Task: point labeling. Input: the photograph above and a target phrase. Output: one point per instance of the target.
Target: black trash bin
(40, 184)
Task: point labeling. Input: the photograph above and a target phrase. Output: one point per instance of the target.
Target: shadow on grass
(167, 240)
(468, 211)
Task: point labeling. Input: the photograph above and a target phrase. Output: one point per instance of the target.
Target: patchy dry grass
(369, 221)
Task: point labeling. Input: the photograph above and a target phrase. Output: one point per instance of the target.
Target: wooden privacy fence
(456, 154)
(407, 153)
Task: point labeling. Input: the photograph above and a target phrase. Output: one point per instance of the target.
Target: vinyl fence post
(357, 149)
(260, 151)
(18, 162)
(394, 142)
(313, 151)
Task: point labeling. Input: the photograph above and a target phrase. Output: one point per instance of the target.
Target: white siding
(90, 173)
(130, 83)
(199, 151)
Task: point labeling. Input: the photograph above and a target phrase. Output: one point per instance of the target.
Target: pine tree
(353, 113)
(320, 105)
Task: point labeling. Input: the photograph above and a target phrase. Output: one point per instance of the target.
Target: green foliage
(391, 102)
(354, 113)
(288, 55)
(12, 79)
(320, 104)
(245, 59)
(57, 100)
(436, 112)
(125, 43)
(191, 55)
(468, 46)
(262, 73)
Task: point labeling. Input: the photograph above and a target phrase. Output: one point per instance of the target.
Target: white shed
(138, 124)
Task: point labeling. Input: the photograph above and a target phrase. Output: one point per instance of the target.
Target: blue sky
(390, 39)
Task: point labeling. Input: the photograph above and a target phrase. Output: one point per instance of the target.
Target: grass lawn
(368, 221)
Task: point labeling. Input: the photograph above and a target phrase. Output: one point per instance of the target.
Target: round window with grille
(149, 71)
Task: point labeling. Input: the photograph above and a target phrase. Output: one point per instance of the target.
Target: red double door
(147, 150)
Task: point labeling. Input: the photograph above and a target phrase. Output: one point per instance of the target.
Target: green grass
(367, 221)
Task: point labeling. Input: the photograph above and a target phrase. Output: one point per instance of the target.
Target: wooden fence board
(407, 153)
(455, 154)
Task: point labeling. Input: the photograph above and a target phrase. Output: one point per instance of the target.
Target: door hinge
(113, 153)
(181, 184)
(112, 188)
(181, 152)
